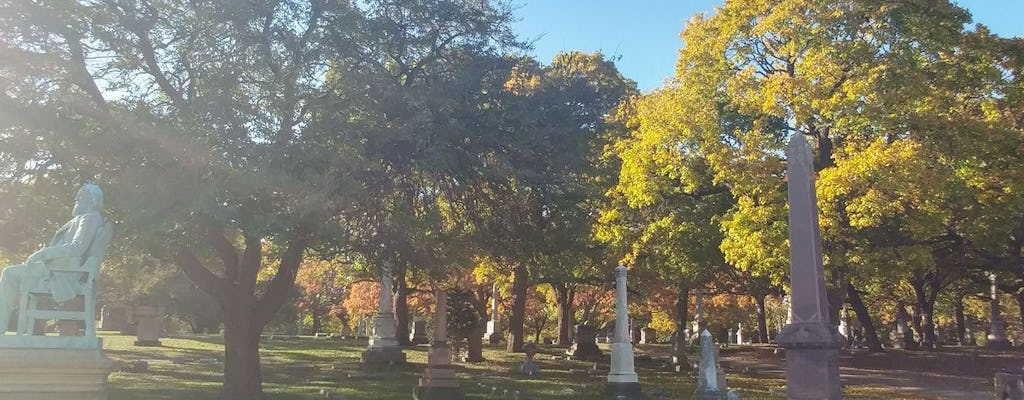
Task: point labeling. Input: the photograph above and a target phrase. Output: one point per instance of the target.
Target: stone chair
(28, 309)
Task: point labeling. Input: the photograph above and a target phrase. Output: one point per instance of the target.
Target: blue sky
(644, 34)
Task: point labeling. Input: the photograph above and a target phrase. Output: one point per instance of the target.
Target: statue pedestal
(53, 374)
(812, 360)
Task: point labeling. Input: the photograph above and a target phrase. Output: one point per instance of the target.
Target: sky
(644, 34)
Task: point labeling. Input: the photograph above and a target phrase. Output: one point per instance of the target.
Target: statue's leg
(11, 280)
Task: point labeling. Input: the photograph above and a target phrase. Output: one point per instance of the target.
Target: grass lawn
(189, 367)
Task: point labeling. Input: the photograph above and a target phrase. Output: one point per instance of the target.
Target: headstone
(739, 333)
(731, 337)
(419, 332)
(969, 338)
(904, 335)
(996, 338)
(623, 382)
(493, 334)
(113, 318)
(648, 336)
(585, 347)
(710, 378)
(529, 368)
(812, 343)
(439, 381)
(383, 347)
(149, 325)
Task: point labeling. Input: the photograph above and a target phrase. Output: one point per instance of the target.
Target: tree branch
(279, 289)
(252, 262)
(227, 252)
(200, 275)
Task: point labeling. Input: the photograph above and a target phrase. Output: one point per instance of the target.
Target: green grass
(190, 368)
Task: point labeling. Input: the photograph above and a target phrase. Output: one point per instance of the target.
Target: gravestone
(731, 338)
(648, 336)
(439, 381)
(493, 334)
(149, 325)
(529, 368)
(113, 317)
(383, 347)
(623, 383)
(812, 343)
(710, 377)
(996, 338)
(739, 333)
(585, 347)
(904, 335)
(419, 332)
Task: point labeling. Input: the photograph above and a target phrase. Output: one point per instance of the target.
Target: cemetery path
(948, 374)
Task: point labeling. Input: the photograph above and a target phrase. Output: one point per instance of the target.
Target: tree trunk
(870, 334)
(961, 322)
(475, 345)
(317, 321)
(762, 319)
(924, 321)
(563, 303)
(516, 320)
(242, 377)
(401, 308)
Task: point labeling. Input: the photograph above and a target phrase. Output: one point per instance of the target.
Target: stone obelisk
(623, 382)
(384, 348)
(493, 334)
(811, 342)
(439, 381)
(996, 338)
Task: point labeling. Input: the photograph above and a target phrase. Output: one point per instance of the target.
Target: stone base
(148, 343)
(812, 361)
(436, 393)
(625, 391)
(383, 356)
(53, 374)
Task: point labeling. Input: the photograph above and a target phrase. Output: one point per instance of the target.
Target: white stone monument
(710, 377)
(812, 343)
(493, 334)
(384, 348)
(438, 381)
(623, 383)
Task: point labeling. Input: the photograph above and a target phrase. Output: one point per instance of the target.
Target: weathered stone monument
(585, 346)
(710, 378)
(730, 337)
(648, 335)
(113, 317)
(996, 338)
(811, 342)
(149, 324)
(383, 347)
(493, 334)
(439, 381)
(623, 383)
(419, 332)
(57, 367)
(529, 368)
(904, 335)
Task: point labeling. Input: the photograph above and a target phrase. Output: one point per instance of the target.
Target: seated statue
(66, 250)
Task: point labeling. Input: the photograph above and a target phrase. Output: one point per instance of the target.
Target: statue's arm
(79, 243)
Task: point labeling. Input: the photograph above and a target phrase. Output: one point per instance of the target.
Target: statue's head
(89, 199)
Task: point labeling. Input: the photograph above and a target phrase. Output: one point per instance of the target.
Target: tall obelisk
(383, 347)
(811, 342)
(623, 382)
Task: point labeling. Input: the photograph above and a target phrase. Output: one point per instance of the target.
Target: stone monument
(384, 348)
(149, 325)
(585, 347)
(493, 334)
(623, 383)
(811, 341)
(730, 337)
(419, 332)
(439, 381)
(648, 335)
(996, 338)
(710, 378)
(739, 333)
(904, 335)
(113, 317)
(57, 367)
(529, 368)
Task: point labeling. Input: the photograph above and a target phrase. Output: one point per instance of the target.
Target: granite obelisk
(811, 342)
(623, 382)
(438, 381)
